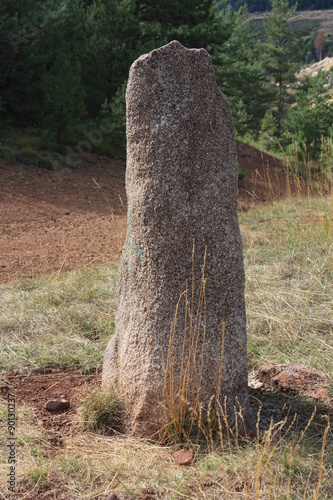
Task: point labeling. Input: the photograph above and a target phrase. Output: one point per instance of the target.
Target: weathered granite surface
(181, 185)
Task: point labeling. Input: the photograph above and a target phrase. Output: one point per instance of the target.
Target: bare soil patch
(265, 179)
(58, 221)
(35, 389)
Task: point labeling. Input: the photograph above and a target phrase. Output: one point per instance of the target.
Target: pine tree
(19, 88)
(64, 96)
(111, 44)
(311, 117)
(239, 73)
(282, 55)
(188, 21)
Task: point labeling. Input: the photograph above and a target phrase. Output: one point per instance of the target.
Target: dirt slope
(56, 221)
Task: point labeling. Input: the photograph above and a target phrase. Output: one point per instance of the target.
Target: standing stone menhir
(181, 185)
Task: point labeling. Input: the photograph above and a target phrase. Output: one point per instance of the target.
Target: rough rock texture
(324, 65)
(181, 184)
(300, 379)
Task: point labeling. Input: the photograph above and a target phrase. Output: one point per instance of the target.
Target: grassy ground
(289, 267)
(58, 320)
(289, 289)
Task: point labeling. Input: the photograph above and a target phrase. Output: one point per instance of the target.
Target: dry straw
(184, 417)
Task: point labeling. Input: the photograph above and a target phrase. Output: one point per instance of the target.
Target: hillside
(264, 5)
(313, 20)
(61, 220)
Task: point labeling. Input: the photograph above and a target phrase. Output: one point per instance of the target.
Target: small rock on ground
(57, 404)
(183, 457)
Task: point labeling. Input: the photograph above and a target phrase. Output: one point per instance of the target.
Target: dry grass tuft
(100, 411)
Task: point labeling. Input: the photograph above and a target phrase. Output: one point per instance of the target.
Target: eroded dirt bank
(57, 221)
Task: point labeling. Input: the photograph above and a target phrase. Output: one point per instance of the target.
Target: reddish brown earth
(56, 221)
(60, 220)
(301, 379)
(266, 179)
(36, 389)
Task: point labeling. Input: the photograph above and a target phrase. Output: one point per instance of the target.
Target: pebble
(57, 404)
(183, 457)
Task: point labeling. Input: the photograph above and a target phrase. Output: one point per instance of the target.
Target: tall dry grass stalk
(308, 177)
(179, 395)
(299, 175)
